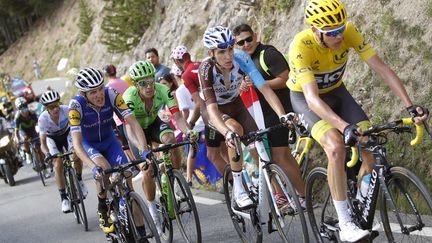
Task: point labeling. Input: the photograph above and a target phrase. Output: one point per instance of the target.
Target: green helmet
(141, 69)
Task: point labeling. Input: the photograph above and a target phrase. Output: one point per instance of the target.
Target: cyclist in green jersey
(145, 99)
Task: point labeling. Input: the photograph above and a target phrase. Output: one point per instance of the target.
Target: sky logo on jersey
(74, 117)
(328, 79)
(120, 103)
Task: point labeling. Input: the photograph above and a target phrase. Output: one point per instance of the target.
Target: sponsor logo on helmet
(74, 117)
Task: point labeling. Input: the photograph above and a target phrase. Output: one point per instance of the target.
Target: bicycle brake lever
(426, 127)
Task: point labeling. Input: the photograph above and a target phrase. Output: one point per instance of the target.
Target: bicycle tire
(166, 223)
(185, 209)
(37, 165)
(287, 219)
(304, 165)
(319, 205)
(78, 201)
(145, 214)
(402, 180)
(245, 228)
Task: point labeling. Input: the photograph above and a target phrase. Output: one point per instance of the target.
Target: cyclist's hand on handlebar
(287, 119)
(97, 172)
(418, 113)
(48, 157)
(229, 136)
(145, 155)
(351, 134)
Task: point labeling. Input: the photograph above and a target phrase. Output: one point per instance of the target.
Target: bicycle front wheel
(409, 217)
(38, 166)
(291, 221)
(185, 209)
(140, 217)
(246, 223)
(77, 199)
(319, 205)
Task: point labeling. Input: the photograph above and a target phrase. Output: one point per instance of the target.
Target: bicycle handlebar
(393, 126)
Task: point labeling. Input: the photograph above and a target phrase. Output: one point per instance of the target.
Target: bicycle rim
(413, 206)
(37, 166)
(186, 212)
(288, 223)
(245, 228)
(78, 201)
(319, 205)
(139, 215)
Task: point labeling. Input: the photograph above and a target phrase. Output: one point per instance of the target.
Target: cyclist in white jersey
(55, 138)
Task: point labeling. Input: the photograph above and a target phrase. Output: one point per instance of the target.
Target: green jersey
(161, 97)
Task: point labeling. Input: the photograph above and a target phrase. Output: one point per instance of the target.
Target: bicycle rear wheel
(246, 224)
(185, 209)
(37, 166)
(288, 223)
(412, 206)
(166, 223)
(77, 200)
(319, 204)
(139, 215)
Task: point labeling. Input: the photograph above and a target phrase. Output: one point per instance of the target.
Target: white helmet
(88, 79)
(176, 70)
(49, 97)
(218, 37)
(20, 103)
(178, 52)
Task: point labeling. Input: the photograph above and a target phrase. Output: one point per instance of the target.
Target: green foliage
(270, 6)
(85, 21)
(401, 28)
(384, 2)
(429, 9)
(268, 33)
(125, 22)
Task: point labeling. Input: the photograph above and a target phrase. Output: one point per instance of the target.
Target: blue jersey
(212, 81)
(95, 123)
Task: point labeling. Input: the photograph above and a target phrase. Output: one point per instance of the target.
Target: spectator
(152, 56)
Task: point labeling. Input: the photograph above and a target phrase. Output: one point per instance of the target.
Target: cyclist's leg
(58, 164)
(190, 163)
(216, 150)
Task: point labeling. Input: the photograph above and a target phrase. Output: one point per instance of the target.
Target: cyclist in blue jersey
(94, 141)
(220, 76)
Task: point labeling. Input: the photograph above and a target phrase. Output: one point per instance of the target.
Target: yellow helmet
(128, 79)
(325, 13)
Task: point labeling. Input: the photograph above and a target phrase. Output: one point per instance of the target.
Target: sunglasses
(226, 45)
(242, 42)
(146, 83)
(52, 106)
(334, 32)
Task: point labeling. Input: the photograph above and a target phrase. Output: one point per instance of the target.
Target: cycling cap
(20, 103)
(178, 52)
(176, 70)
(141, 69)
(218, 37)
(88, 79)
(110, 70)
(49, 97)
(325, 13)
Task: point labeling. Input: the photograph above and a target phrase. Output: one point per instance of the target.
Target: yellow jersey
(311, 62)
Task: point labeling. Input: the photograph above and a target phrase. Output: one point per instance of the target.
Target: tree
(85, 21)
(125, 22)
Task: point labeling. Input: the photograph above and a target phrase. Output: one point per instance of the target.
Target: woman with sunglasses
(145, 99)
(221, 74)
(318, 58)
(54, 133)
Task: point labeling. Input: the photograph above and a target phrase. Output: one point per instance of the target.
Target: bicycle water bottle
(364, 188)
(167, 196)
(122, 209)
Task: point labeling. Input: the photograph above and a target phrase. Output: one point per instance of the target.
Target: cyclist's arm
(79, 149)
(272, 99)
(198, 109)
(181, 122)
(317, 105)
(135, 132)
(390, 77)
(43, 139)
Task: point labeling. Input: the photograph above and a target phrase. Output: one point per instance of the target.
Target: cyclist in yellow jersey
(318, 57)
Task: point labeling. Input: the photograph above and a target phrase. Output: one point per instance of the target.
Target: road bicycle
(37, 164)
(404, 202)
(73, 189)
(249, 224)
(175, 196)
(128, 211)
